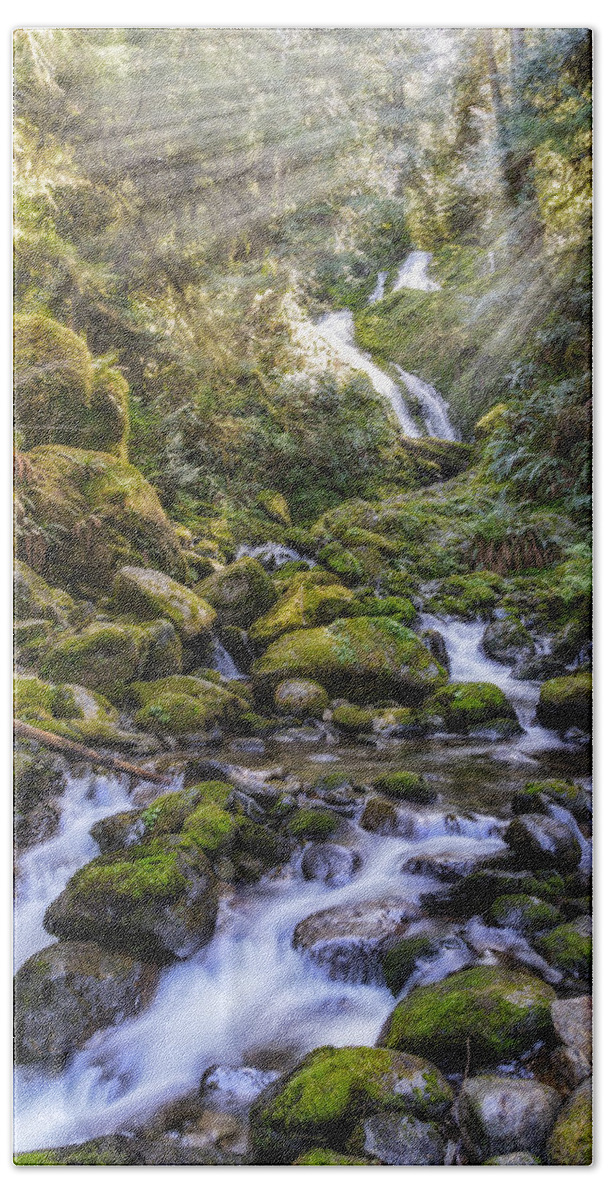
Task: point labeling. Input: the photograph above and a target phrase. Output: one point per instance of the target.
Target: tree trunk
(75, 750)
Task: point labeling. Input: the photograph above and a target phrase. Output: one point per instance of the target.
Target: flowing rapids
(249, 998)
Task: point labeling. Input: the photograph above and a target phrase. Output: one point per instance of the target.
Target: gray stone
(538, 841)
(333, 865)
(348, 940)
(500, 1114)
(403, 1141)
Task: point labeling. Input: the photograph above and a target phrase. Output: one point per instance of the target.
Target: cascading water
(338, 329)
(223, 662)
(413, 273)
(378, 291)
(433, 406)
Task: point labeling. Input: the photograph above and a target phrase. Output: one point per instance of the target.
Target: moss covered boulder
(117, 1150)
(39, 780)
(301, 698)
(566, 701)
(507, 640)
(53, 380)
(353, 719)
(106, 654)
(239, 593)
(527, 914)
(571, 1141)
(156, 901)
(147, 593)
(37, 600)
(64, 993)
(406, 785)
(469, 706)
(185, 704)
(379, 816)
(304, 605)
(361, 658)
(87, 514)
(331, 1091)
(488, 1013)
(275, 506)
(400, 960)
(342, 562)
(568, 947)
(71, 711)
(469, 595)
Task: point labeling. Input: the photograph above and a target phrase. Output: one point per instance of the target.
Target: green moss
(566, 701)
(487, 1012)
(239, 593)
(330, 1158)
(98, 657)
(568, 949)
(571, 1142)
(35, 599)
(397, 607)
(150, 876)
(301, 698)
(107, 427)
(306, 604)
(469, 595)
(342, 562)
(185, 704)
(53, 379)
(559, 791)
(210, 828)
(353, 719)
(525, 913)
(148, 593)
(467, 705)
(490, 422)
(405, 785)
(400, 960)
(361, 658)
(312, 823)
(275, 505)
(113, 1151)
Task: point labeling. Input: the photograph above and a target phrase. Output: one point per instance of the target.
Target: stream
(249, 1003)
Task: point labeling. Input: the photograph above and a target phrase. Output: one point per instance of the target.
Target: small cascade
(338, 329)
(434, 407)
(272, 555)
(223, 662)
(413, 273)
(378, 291)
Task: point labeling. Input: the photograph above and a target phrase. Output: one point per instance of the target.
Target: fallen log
(75, 750)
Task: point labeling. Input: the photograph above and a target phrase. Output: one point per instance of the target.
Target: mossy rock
(469, 595)
(65, 992)
(527, 914)
(184, 704)
(556, 791)
(492, 420)
(507, 640)
(148, 593)
(313, 824)
(113, 1151)
(330, 1158)
(304, 605)
(99, 656)
(350, 718)
(53, 380)
(397, 607)
(106, 426)
(342, 562)
(477, 892)
(571, 1142)
(239, 593)
(71, 711)
(156, 901)
(466, 706)
(37, 600)
(89, 513)
(399, 961)
(379, 816)
(39, 780)
(406, 785)
(328, 1094)
(566, 701)
(275, 506)
(361, 658)
(487, 1014)
(301, 698)
(568, 949)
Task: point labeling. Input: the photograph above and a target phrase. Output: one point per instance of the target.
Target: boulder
(537, 796)
(466, 707)
(332, 865)
(501, 1114)
(541, 842)
(305, 604)
(239, 593)
(527, 914)
(301, 698)
(507, 640)
(379, 816)
(403, 1141)
(568, 947)
(89, 513)
(487, 1014)
(53, 380)
(331, 1091)
(342, 562)
(39, 780)
(35, 599)
(147, 593)
(275, 506)
(570, 1062)
(156, 902)
(406, 785)
(185, 705)
(400, 960)
(71, 711)
(352, 719)
(570, 1143)
(565, 702)
(64, 993)
(348, 940)
(360, 658)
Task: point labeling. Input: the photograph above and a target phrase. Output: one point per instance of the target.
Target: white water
(413, 273)
(45, 869)
(378, 291)
(272, 555)
(223, 662)
(338, 329)
(434, 407)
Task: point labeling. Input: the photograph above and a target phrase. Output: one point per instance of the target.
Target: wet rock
(331, 1091)
(403, 1141)
(406, 785)
(519, 1158)
(507, 641)
(301, 698)
(500, 1114)
(348, 940)
(570, 1144)
(565, 702)
(435, 642)
(65, 992)
(568, 947)
(408, 954)
(527, 914)
(541, 842)
(247, 745)
(444, 865)
(477, 892)
(570, 1062)
(119, 832)
(484, 1014)
(313, 824)
(466, 707)
(333, 865)
(117, 1150)
(539, 795)
(39, 781)
(379, 816)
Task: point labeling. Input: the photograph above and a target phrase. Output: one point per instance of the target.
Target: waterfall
(378, 291)
(433, 405)
(223, 662)
(413, 273)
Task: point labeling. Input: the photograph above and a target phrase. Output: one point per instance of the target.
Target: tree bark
(75, 750)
